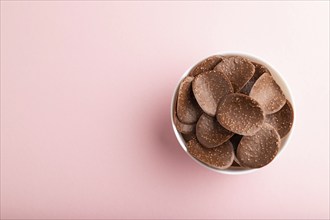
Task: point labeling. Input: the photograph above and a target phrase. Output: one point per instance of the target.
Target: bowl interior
(279, 80)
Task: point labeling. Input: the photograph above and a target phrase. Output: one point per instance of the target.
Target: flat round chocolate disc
(268, 93)
(190, 136)
(238, 70)
(282, 120)
(183, 128)
(218, 157)
(260, 149)
(210, 133)
(240, 114)
(259, 70)
(205, 65)
(209, 87)
(188, 110)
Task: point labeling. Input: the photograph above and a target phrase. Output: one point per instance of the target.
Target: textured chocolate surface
(183, 128)
(208, 88)
(224, 129)
(218, 157)
(239, 70)
(268, 93)
(259, 70)
(240, 114)
(210, 133)
(188, 110)
(205, 65)
(282, 120)
(190, 136)
(260, 149)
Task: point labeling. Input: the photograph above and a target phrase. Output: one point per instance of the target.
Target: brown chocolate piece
(240, 114)
(183, 128)
(235, 160)
(239, 70)
(205, 65)
(259, 70)
(235, 164)
(218, 157)
(190, 136)
(260, 149)
(210, 133)
(188, 110)
(268, 93)
(282, 120)
(209, 87)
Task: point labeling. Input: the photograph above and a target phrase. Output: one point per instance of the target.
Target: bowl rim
(279, 80)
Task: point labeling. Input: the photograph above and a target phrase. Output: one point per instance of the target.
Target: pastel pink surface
(85, 102)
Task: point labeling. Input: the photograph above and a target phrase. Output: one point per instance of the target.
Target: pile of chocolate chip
(231, 112)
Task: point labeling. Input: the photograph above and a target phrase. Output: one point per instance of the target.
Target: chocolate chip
(220, 157)
(268, 93)
(188, 110)
(282, 120)
(209, 87)
(238, 70)
(260, 149)
(259, 70)
(240, 114)
(210, 133)
(205, 65)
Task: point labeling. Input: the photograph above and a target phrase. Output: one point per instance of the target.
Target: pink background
(85, 102)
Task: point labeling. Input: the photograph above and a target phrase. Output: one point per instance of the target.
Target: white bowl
(280, 81)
